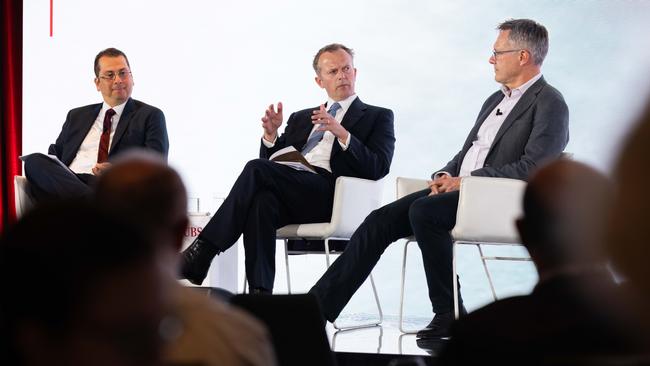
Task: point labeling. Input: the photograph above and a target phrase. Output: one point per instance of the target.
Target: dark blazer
(371, 147)
(141, 125)
(536, 130)
(570, 315)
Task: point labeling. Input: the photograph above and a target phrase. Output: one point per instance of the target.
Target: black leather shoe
(440, 325)
(196, 260)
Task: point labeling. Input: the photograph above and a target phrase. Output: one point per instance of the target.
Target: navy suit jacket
(372, 140)
(536, 130)
(140, 126)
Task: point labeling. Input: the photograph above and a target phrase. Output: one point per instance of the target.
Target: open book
(54, 158)
(293, 158)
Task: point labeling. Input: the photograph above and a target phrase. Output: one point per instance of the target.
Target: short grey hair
(528, 34)
(330, 48)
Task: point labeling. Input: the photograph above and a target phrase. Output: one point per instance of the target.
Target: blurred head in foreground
(629, 225)
(141, 187)
(80, 287)
(565, 207)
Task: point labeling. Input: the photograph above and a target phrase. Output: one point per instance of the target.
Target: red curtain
(11, 107)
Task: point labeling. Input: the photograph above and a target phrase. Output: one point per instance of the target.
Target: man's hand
(271, 121)
(99, 168)
(444, 183)
(328, 123)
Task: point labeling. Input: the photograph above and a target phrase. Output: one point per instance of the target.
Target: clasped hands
(444, 183)
(272, 120)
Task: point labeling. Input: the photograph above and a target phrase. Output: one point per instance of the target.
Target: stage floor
(383, 339)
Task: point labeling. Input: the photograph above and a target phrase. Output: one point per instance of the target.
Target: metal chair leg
(402, 289)
(454, 280)
(243, 291)
(286, 261)
(374, 289)
(487, 272)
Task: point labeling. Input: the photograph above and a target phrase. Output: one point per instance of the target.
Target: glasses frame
(126, 74)
(496, 53)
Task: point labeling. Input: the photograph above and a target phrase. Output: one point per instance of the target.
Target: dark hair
(330, 48)
(109, 52)
(71, 245)
(528, 34)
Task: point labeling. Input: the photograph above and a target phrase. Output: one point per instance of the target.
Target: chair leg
(454, 280)
(401, 293)
(374, 289)
(243, 291)
(286, 261)
(487, 272)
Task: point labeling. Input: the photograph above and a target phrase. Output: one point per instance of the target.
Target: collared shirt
(320, 155)
(86, 157)
(477, 153)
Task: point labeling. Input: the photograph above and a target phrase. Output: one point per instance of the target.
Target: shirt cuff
(269, 144)
(344, 146)
(440, 174)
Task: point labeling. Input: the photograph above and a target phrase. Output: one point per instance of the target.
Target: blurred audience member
(79, 288)
(629, 235)
(142, 188)
(567, 316)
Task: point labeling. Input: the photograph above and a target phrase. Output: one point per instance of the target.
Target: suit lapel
(87, 119)
(354, 114)
(524, 103)
(127, 113)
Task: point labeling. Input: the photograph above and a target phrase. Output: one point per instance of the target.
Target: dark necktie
(315, 138)
(102, 153)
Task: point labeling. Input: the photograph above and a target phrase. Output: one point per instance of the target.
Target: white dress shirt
(320, 155)
(477, 153)
(86, 157)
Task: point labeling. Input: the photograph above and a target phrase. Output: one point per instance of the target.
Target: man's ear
(97, 81)
(525, 57)
(319, 81)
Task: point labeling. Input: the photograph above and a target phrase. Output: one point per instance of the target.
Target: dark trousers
(429, 218)
(49, 180)
(265, 197)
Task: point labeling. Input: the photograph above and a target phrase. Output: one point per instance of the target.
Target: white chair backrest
(406, 186)
(487, 210)
(354, 199)
(23, 200)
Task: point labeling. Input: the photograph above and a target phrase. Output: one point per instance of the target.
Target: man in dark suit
(568, 318)
(344, 137)
(94, 134)
(518, 127)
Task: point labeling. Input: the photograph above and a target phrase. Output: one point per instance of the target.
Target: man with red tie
(94, 134)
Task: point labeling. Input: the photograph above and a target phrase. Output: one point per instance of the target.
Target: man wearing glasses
(92, 135)
(518, 128)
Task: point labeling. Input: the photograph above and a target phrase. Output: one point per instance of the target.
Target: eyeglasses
(123, 74)
(497, 53)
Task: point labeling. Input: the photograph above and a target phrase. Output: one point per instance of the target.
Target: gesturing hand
(328, 123)
(271, 121)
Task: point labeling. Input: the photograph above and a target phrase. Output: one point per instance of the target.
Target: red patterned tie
(102, 153)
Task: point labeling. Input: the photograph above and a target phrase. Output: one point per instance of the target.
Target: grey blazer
(537, 130)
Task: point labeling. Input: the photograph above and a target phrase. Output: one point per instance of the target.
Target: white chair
(22, 197)
(487, 210)
(354, 199)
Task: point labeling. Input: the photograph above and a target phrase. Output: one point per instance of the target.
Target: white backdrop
(214, 66)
